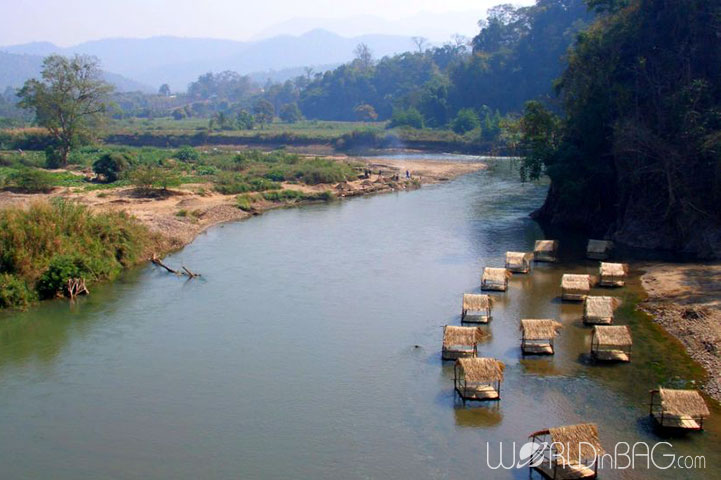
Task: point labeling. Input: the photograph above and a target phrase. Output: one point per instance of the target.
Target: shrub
(14, 292)
(53, 157)
(358, 140)
(229, 183)
(53, 282)
(187, 154)
(465, 121)
(30, 180)
(406, 118)
(148, 178)
(113, 166)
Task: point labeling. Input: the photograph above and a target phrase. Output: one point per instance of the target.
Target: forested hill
(637, 153)
(515, 57)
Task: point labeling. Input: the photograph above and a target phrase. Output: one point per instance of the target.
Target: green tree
(164, 90)
(244, 120)
(290, 113)
(69, 100)
(539, 139)
(465, 121)
(264, 112)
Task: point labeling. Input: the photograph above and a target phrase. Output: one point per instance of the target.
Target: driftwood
(76, 286)
(185, 272)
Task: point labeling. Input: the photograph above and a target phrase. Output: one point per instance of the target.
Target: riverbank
(686, 301)
(179, 214)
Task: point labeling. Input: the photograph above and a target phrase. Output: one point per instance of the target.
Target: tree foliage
(69, 100)
(638, 154)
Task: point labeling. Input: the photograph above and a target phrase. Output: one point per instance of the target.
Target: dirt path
(686, 301)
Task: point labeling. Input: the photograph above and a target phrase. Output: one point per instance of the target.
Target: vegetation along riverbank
(140, 202)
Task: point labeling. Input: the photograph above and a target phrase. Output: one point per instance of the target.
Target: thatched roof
(453, 335)
(476, 302)
(548, 246)
(683, 402)
(481, 369)
(495, 275)
(539, 329)
(573, 281)
(517, 258)
(575, 442)
(615, 335)
(600, 307)
(599, 246)
(613, 269)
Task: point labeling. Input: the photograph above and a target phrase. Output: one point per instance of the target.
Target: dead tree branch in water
(186, 271)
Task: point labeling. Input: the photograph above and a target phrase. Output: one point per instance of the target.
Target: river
(310, 348)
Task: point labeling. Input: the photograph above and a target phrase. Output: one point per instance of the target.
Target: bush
(465, 121)
(406, 118)
(31, 180)
(358, 140)
(229, 183)
(148, 178)
(113, 166)
(53, 282)
(53, 157)
(14, 292)
(187, 154)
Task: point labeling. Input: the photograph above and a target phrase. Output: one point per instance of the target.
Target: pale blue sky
(67, 22)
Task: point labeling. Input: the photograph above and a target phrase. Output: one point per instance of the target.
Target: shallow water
(310, 348)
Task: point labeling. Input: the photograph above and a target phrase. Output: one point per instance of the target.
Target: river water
(310, 348)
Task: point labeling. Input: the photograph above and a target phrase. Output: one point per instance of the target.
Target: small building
(678, 409)
(519, 262)
(612, 274)
(495, 279)
(599, 310)
(478, 378)
(476, 308)
(545, 251)
(569, 452)
(611, 343)
(575, 287)
(459, 342)
(537, 336)
(599, 249)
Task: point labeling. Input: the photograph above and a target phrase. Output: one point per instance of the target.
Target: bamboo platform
(475, 318)
(456, 353)
(611, 355)
(482, 392)
(565, 472)
(537, 349)
(683, 422)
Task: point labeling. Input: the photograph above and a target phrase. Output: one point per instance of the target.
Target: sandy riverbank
(180, 214)
(685, 300)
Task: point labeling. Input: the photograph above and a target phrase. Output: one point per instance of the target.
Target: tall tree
(69, 100)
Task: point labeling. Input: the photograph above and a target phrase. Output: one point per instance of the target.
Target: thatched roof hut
(678, 409)
(478, 378)
(519, 262)
(611, 343)
(612, 274)
(476, 308)
(599, 310)
(461, 341)
(569, 452)
(495, 279)
(537, 335)
(575, 287)
(545, 250)
(599, 249)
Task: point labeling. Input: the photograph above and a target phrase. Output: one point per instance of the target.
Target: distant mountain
(179, 61)
(16, 68)
(437, 27)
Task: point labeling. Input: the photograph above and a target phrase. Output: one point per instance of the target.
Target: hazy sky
(67, 22)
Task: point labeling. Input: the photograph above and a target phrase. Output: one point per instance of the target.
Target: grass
(44, 245)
